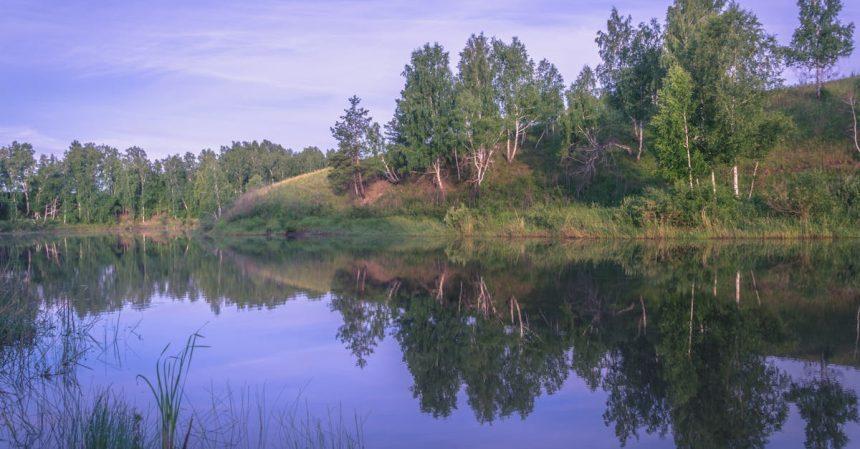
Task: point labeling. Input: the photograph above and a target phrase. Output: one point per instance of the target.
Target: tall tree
(210, 184)
(50, 183)
(425, 114)
(820, 39)
(480, 130)
(584, 112)
(83, 163)
(684, 21)
(515, 90)
(676, 136)
(733, 63)
(175, 182)
(140, 174)
(19, 167)
(631, 69)
(351, 133)
(550, 99)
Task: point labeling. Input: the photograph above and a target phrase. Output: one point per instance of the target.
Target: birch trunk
(714, 183)
(686, 146)
(735, 181)
(738, 287)
(752, 182)
(852, 100)
(437, 168)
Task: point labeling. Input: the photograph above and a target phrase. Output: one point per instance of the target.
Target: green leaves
(820, 39)
(676, 139)
(425, 117)
(357, 138)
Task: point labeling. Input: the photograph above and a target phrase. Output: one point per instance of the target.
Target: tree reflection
(679, 338)
(825, 406)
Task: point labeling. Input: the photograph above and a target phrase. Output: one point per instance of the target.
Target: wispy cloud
(176, 76)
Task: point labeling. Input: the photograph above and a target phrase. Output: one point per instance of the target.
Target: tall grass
(111, 424)
(168, 390)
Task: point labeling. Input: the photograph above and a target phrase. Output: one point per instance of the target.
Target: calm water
(524, 344)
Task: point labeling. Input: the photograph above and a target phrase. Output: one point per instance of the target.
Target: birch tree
(675, 135)
(516, 94)
(631, 71)
(820, 39)
(480, 119)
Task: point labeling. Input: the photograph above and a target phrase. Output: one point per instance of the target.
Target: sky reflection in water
(478, 345)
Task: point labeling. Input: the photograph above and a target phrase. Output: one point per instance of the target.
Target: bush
(461, 219)
(679, 206)
(816, 195)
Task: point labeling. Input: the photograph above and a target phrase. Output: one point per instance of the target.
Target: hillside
(806, 187)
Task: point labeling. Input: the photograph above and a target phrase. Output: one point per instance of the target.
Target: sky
(173, 76)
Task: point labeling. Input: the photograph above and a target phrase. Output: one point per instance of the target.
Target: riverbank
(517, 207)
(28, 227)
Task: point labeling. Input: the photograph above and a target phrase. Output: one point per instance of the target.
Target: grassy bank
(520, 208)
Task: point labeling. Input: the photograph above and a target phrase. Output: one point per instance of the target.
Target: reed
(168, 389)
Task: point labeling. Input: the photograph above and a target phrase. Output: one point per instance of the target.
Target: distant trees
(820, 39)
(99, 184)
(17, 167)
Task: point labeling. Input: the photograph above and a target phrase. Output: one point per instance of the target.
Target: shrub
(461, 219)
(816, 195)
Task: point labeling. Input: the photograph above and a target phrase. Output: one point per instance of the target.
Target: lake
(426, 344)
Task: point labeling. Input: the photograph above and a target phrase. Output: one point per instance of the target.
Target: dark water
(470, 344)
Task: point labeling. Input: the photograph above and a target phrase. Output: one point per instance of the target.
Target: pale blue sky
(173, 76)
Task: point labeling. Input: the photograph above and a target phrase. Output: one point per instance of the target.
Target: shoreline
(669, 234)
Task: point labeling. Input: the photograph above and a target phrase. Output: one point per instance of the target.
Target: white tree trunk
(513, 152)
(714, 183)
(752, 182)
(686, 146)
(852, 101)
(735, 181)
(437, 169)
(738, 287)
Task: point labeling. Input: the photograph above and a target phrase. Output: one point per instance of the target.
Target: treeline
(691, 90)
(100, 184)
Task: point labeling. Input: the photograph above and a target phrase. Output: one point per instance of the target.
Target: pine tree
(351, 133)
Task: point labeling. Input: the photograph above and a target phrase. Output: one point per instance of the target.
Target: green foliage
(425, 116)
(820, 39)
(583, 121)
(631, 70)
(357, 138)
(733, 63)
(480, 117)
(817, 195)
(676, 141)
(99, 184)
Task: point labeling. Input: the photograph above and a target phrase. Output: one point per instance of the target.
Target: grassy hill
(807, 187)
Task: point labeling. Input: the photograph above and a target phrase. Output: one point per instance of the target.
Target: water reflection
(685, 340)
